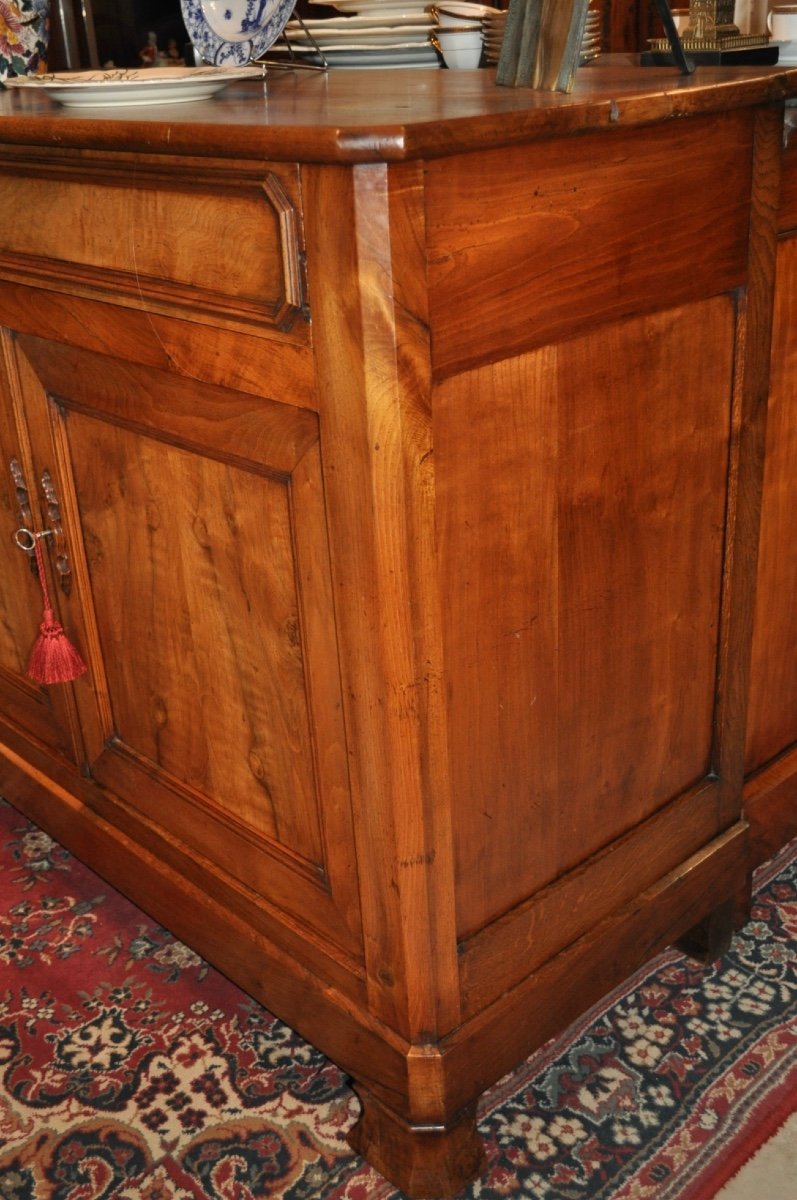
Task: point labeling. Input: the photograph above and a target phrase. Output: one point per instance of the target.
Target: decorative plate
(248, 28)
(24, 35)
(149, 85)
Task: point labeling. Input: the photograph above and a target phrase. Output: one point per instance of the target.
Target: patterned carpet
(129, 1068)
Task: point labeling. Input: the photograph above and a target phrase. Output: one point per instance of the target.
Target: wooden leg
(424, 1161)
(710, 938)
(743, 903)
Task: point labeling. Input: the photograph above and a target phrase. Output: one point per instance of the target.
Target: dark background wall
(121, 27)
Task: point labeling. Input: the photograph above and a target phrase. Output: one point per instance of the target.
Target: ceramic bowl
(236, 20)
(460, 45)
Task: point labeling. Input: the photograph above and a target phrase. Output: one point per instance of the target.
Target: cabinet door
(203, 595)
(44, 714)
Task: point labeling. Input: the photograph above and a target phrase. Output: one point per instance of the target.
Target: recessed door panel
(582, 493)
(213, 705)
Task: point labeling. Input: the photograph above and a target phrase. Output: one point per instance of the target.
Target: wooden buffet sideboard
(402, 440)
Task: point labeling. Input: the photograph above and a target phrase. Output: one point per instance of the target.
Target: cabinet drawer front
(545, 260)
(196, 248)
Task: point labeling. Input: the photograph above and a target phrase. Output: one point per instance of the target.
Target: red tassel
(53, 658)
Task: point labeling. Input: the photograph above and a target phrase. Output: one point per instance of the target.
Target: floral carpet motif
(130, 1068)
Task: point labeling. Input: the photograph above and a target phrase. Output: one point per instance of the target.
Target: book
(542, 44)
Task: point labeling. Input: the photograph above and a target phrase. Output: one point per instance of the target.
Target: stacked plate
(495, 22)
(493, 25)
(370, 33)
(591, 42)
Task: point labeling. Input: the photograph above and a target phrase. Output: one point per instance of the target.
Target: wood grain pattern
(787, 210)
(527, 1015)
(350, 116)
(751, 386)
(47, 715)
(770, 804)
(773, 697)
(545, 260)
(771, 741)
(510, 948)
(214, 679)
(203, 250)
(558, 546)
(372, 343)
(168, 344)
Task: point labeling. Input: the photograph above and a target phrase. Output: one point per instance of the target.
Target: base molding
(770, 807)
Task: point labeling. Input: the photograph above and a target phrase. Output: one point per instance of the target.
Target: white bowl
(460, 45)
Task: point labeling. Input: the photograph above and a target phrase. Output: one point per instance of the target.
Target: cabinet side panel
(581, 494)
(772, 712)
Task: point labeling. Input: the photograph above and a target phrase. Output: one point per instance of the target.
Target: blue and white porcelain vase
(24, 37)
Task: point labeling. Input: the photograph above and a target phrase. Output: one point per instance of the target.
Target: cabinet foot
(425, 1161)
(710, 938)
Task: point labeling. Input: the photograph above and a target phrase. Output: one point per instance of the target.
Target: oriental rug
(129, 1068)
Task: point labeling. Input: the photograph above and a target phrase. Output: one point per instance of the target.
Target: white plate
(372, 36)
(382, 7)
(369, 48)
(148, 85)
(272, 16)
(379, 20)
(376, 56)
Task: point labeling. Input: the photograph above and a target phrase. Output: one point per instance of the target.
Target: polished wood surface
(411, 544)
(622, 234)
(344, 117)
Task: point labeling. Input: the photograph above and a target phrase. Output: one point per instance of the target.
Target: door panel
(214, 704)
(46, 713)
(590, 479)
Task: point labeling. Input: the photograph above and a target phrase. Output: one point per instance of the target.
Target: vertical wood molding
(372, 353)
(746, 467)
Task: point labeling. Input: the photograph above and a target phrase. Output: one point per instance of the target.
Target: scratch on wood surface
(424, 859)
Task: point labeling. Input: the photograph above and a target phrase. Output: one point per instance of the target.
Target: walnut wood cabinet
(404, 443)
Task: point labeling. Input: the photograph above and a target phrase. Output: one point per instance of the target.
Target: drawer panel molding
(198, 250)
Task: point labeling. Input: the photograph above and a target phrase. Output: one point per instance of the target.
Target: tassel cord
(53, 659)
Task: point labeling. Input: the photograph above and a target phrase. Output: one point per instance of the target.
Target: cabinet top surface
(384, 115)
